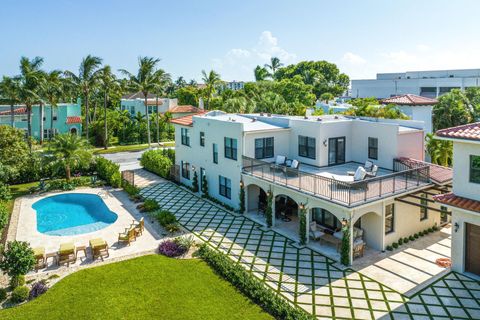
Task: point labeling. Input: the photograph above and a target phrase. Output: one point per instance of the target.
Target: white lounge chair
(280, 160)
(368, 166)
(373, 173)
(314, 233)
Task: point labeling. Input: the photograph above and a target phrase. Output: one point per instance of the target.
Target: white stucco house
(464, 200)
(318, 164)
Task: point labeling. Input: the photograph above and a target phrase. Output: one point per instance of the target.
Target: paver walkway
(307, 278)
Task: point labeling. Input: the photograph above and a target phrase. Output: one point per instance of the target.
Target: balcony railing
(345, 193)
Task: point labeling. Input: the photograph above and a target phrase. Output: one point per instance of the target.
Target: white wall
(461, 167)
(420, 113)
(280, 143)
(411, 145)
(458, 238)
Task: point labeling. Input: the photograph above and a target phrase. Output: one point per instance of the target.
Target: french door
(336, 151)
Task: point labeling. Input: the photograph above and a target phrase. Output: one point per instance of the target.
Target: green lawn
(114, 149)
(149, 287)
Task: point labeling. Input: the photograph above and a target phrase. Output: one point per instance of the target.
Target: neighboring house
(431, 84)
(332, 107)
(231, 150)
(234, 85)
(464, 200)
(135, 103)
(416, 107)
(66, 118)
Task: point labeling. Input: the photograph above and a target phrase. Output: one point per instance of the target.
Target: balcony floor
(338, 170)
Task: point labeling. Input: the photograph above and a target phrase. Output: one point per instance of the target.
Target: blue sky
(232, 37)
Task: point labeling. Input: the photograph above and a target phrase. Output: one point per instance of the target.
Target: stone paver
(308, 279)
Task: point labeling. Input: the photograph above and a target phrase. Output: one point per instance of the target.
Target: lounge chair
(66, 254)
(139, 226)
(368, 166)
(373, 173)
(127, 236)
(314, 233)
(99, 248)
(280, 160)
(39, 253)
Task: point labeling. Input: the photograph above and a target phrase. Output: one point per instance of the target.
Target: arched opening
(257, 199)
(73, 131)
(286, 215)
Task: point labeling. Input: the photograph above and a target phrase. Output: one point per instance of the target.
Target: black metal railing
(345, 193)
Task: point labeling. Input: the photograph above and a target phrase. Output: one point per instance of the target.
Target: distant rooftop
(465, 132)
(410, 100)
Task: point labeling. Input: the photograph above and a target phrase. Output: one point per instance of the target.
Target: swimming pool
(72, 213)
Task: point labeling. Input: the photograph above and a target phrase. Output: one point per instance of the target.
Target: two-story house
(367, 173)
(46, 121)
(464, 200)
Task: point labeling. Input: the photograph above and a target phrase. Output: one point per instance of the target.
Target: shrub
(5, 193)
(195, 182)
(411, 238)
(430, 230)
(172, 227)
(405, 240)
(170, 248)
(18, 259)
(421, 233)
(416, 235)
(165, 217)
(17, 281)
(20, 294)
(389, 248)
(186, 242)
(130, 189)
(400, 241)
(395, 245)
(435, 228)
(3, 294)
(251, 286)
(38, 289)
(109, 171)
(150, 205)
(156, 162)
(3, 216)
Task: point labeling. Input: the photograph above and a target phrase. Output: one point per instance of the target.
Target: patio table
(328, 238)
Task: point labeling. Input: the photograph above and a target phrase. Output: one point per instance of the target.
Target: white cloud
(238, 63)
(353, 58)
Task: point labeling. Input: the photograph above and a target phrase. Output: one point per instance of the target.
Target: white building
(231, 150)
(429, 84)
(465, 198)
(235, 85)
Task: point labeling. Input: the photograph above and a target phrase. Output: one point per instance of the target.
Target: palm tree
(146, 81)
(9, 90)
(440, 151)
(70, 151)
(108, 82)
(124, 117)
(211, 80)
(274, 65)
(139, 119)
(160, 88)
(180, 82)
(30, 79)
(52, 90)
(86, 80)
(261, 73)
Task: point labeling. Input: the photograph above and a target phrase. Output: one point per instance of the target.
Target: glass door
(336, 151)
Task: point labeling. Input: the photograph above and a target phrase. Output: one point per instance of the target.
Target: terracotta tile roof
(451, 199)
(74, 119)
(186, 120)
(438, 174)
(410, 100)
(185, 109)
(22, 110)
(468, 132)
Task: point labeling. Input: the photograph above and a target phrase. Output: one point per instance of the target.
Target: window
(475, 169)
(263, 148)
(230, 148)
(186, 170)
(49, 133)
(225, 185)
(326, 219)
(424, 210)
(373, 148)
(389, 218)
(202, 139)
(215, 153)
(306, 147)
(185, 137)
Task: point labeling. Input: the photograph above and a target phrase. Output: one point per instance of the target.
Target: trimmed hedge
(109, 171)
(157, 162)
(255, 289)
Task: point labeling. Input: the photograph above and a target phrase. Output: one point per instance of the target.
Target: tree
(14, 153)
(274, 65)
(9, 91)
(30, 78)
(195, 182)
(160, 88)
(70, 152)
(108, 82)
(211, 80)
(188, 95)
(327, 96)
(180, 82)
(440, 151)
(85, 82)
(124, 118)
(146, 81)
(18, 260)
(453, 109)
(261, 73)
(52, 91)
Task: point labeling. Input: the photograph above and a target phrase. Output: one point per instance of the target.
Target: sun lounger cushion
(280, 160)
(368, 165)
(359, 174)
(97, 242)
(294, 164)
(67, 247)
(39, 251)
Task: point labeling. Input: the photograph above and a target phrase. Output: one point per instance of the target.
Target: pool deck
(116, 200)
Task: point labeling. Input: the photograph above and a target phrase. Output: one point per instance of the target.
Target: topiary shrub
(20, 294)
(195, 182)
(405, 240)
(242, 198)
(416, 236)
(303, 226)
(395, 245)
(3, 294)
(38, 289)
(204, 186)
(430, 230)
(389, 248)
(400, 241)
(411, 238)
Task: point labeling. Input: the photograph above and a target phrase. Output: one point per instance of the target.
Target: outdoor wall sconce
(241, 183)
(456, 226)
(301, 206)
(325, 142)
(193, 168)
(344, 222)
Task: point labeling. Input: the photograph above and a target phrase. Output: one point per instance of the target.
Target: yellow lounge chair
(127, 236)
(99, 248)
(66, 254)
(39, 253)
(139, 226)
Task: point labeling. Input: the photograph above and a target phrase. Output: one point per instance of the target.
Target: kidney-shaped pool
(72, 213)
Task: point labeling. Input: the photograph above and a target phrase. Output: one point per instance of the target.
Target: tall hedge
(157, 162)
(109, 171)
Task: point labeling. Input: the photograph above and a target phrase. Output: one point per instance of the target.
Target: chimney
(200, 104)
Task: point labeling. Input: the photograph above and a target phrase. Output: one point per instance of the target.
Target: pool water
(72, 213)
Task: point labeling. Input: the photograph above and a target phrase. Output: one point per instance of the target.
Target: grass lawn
(114, 149)
(19, 190)
(149, 287)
